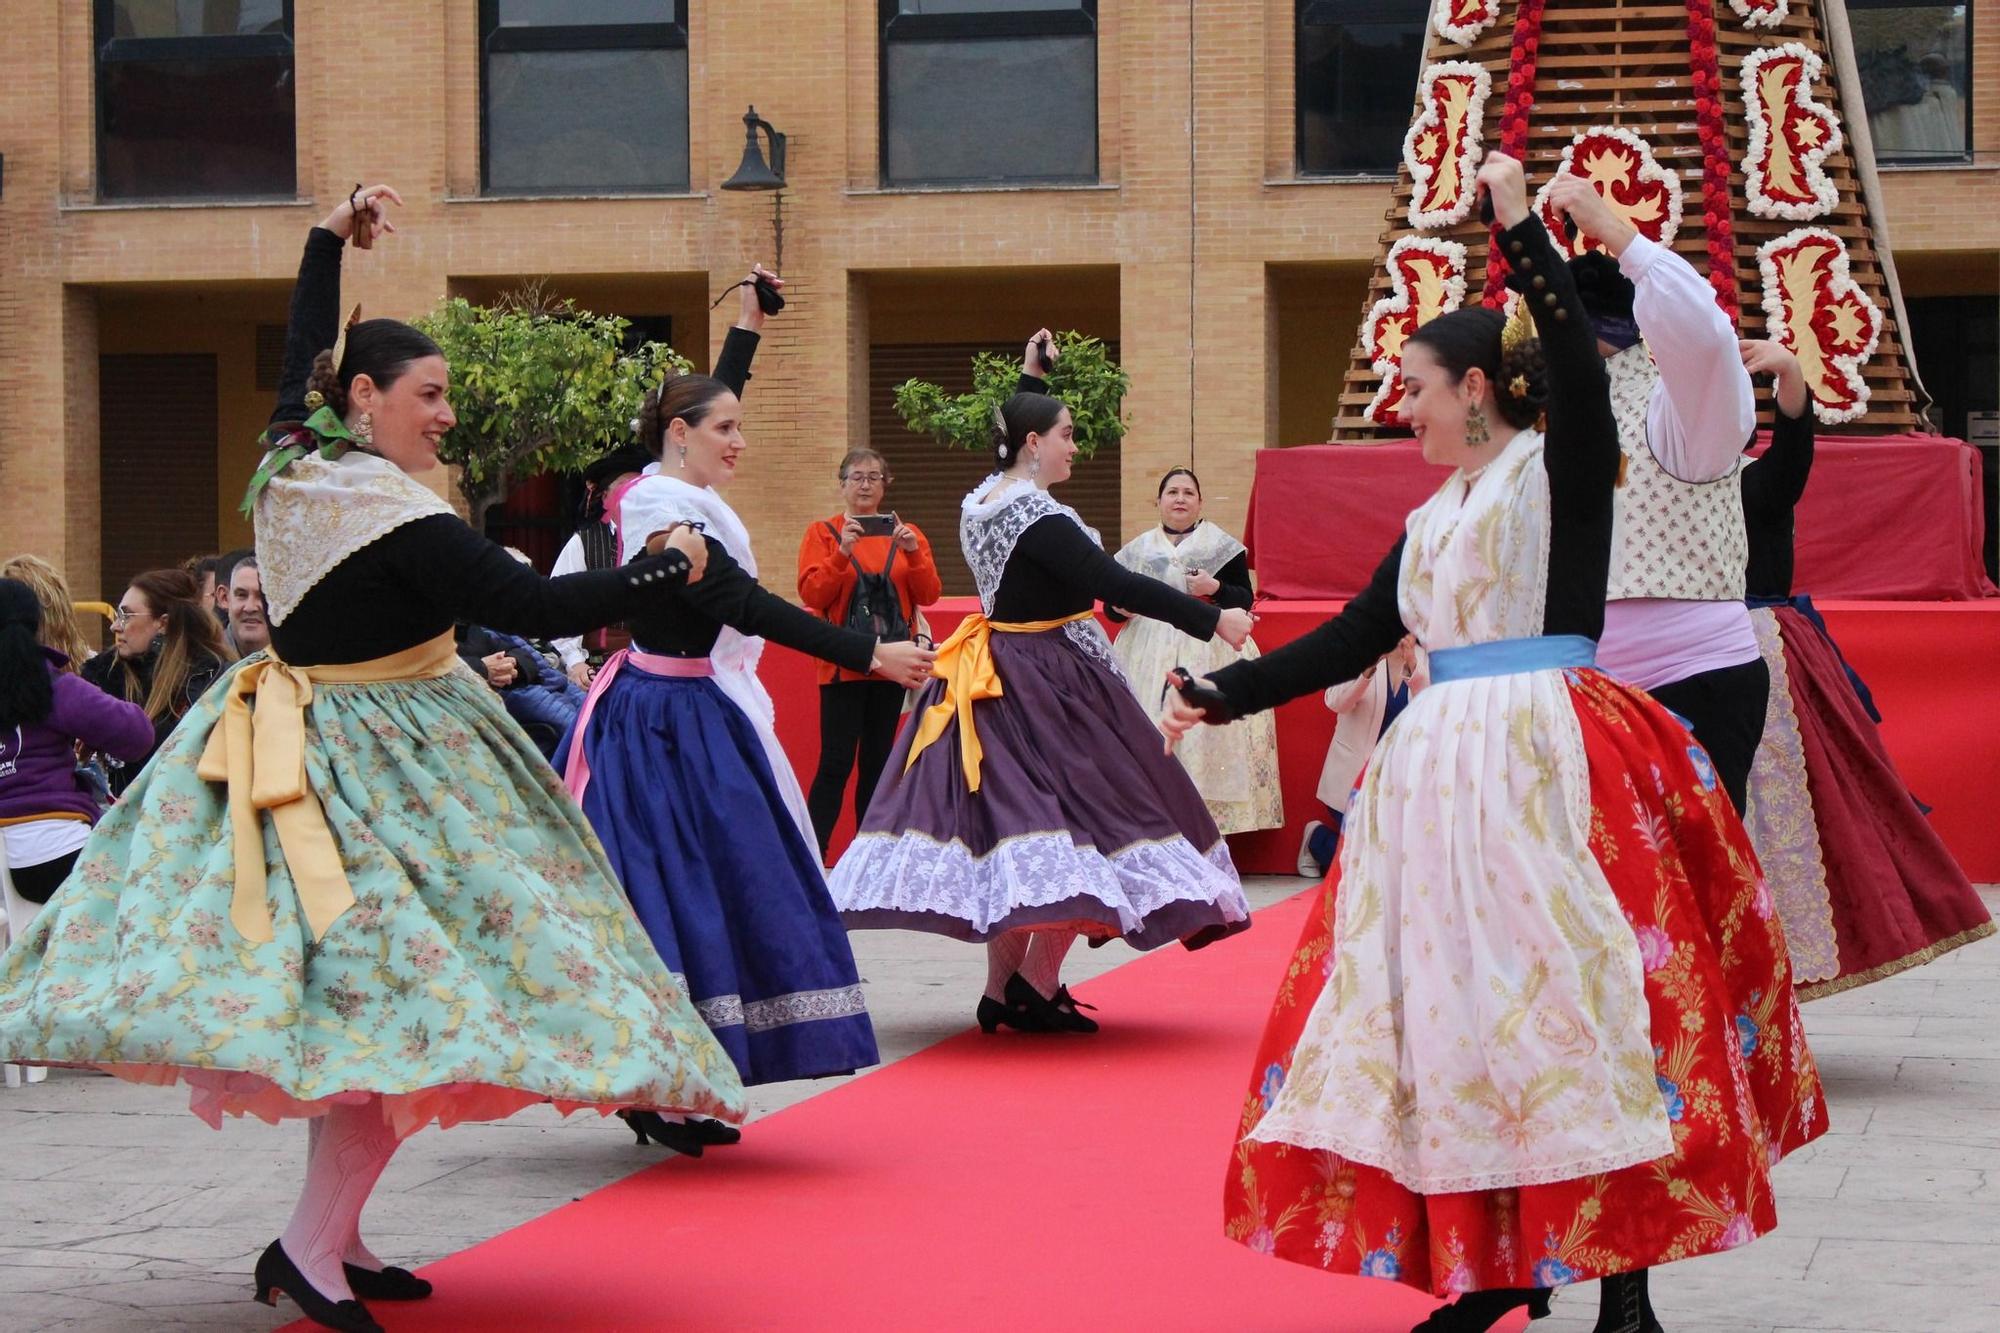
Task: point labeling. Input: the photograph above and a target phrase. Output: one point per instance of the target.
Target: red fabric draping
(1890, 518)
(1929, 665)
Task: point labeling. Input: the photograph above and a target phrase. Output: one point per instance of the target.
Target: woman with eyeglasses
(349, 890)
(873, 572)
(167, 649)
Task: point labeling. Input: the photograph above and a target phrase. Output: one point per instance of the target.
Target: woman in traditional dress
(349, 888)
(1529, 1063)
(1236, 771)
(1864, 885)
(1031, 802)
(677, 767)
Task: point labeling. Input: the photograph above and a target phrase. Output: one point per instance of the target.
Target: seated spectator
(1366, 707)
(249, 617)
(45, 712)
(535, 694)
(166, 651)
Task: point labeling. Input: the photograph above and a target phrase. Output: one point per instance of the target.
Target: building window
(195, 99)
(584, 96)
(1358, 62)
(984, 92)
(1916, 78)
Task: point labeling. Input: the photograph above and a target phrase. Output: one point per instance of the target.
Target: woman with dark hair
(166, 651)
(1863, 883)
(1530, 1064)
(676, 764)
(1031, 802)
(46, 711)
(1236, 771)
(349, 889)
(864, 569)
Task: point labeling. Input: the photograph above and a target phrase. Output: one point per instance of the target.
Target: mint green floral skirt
(490, 961)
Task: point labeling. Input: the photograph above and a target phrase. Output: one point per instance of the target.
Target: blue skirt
(682, 797)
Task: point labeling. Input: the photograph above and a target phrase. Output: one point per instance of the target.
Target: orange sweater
(826, 578)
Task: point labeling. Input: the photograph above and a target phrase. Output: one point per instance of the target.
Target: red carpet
(1005, 1183)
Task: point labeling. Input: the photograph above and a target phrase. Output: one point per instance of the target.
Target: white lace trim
(317, 513)
(806, 1006)
(1398, 1168)
(911, 872)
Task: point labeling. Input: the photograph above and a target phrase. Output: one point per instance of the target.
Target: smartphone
(875, 525)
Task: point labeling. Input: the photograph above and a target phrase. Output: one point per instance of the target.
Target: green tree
(1088, 381)
(539, 386)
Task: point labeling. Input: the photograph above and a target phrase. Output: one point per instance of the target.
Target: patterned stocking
(1043, 969)
(1003, 960)
(345, 1158)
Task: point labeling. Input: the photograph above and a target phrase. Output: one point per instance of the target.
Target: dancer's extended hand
(694, 546)
(905, 663)
(374, 200)
(1179, 717)
(1573, 197)
(1031, 356)
(1501, 177)
(1762, 356)
(750, 315)
(1234, 627)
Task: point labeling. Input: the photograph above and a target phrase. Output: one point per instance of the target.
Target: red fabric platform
(1000, 1184)
(1882, 518)
(1929, 664)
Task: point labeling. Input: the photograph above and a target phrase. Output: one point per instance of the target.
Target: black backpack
(875, 609)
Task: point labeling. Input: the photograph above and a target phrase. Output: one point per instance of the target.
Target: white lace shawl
(317, 512)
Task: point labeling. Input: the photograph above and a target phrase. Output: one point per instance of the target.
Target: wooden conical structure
(1671, 78)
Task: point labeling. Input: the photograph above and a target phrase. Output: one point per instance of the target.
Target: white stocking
(1003, 960)
(347, 1149)
(1043, 968)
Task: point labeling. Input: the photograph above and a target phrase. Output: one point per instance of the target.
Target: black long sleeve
(726, 595)
(1772, 486)
(314, 322)
(1581, 454)
(1235, 591)
(428, 574)
(1057, 570)
(732, 364)
(1341, 649)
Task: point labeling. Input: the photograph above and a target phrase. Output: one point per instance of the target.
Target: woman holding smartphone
(869, 571)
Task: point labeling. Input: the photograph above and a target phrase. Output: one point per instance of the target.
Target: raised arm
(1063, 551)
(1776, 481)
(1698, 426)
(739, 345)
(314, 323)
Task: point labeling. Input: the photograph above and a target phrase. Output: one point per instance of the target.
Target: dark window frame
(671, 35)
(1967, 94)
(896, 26)
(1299, 169)
(217, 47)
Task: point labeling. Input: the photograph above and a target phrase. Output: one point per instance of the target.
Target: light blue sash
(1508, 657)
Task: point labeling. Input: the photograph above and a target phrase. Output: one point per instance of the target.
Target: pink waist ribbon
(576, 773)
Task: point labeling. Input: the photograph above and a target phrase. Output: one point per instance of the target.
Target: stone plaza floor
(120, 1211)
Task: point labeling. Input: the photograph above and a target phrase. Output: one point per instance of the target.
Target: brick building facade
(1228, 270)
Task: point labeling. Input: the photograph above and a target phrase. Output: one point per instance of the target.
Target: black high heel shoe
(993, 1015)
(715, 1134)
(277, 1273)
(1476, 1311)
(1068, 1006)
(675, 1134)
(387, 1284)
(1025, 1002)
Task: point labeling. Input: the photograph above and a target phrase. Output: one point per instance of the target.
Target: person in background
(218, 594)
(1366, 706)
(535, 694)
(872, 572)
(46, 711)
(249, 618)
(60, 628)
(204, 567)
(165, 654)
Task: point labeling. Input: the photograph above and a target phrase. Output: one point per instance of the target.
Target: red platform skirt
(1865, 887)
(1718, 987)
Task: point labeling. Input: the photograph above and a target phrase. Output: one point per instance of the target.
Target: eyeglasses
(123, 617)
(870, 478)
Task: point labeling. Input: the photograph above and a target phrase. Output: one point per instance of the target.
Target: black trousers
(1726, 709)
(38, 882)
(854, 716)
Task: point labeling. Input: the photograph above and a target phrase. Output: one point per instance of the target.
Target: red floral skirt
(1738, 1083)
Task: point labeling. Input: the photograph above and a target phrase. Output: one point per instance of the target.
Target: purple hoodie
(38, 759)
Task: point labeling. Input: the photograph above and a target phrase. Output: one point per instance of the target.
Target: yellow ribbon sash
(965, 665)
(261, 754)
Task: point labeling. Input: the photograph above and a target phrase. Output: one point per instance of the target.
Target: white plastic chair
(20, 915)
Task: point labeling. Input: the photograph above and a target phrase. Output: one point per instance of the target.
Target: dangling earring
(364, 428)
(1035, 464)
(684, 458)
(1476, 432)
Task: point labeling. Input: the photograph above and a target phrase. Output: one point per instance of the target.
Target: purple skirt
(1081, 820)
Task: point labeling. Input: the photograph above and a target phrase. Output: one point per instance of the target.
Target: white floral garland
(1398, 300)
(1812, 163)
(1842, 284)
(1649, 169)
(1754, 17)
(1465, 34)
(1468, 149)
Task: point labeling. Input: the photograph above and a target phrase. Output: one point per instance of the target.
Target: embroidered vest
(1670, 538)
